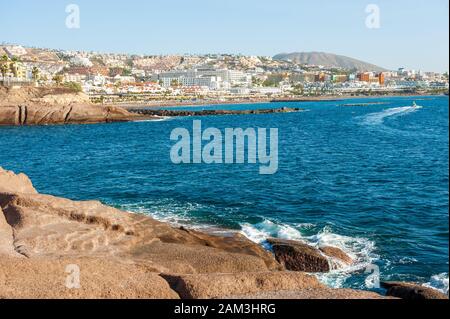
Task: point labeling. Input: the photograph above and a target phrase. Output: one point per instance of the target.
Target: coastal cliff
(46, 106)
(126, 255)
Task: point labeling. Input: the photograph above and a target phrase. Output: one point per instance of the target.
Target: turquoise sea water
(372, 180)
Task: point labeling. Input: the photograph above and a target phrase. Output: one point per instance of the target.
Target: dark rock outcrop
(297, 256)
(411, 291)
(174, 113)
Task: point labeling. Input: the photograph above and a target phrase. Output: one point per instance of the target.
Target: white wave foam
(156, 119)
(166, 210)
(361, 250)
(439, 282)
(261, 232)
(379, 117)
(407, 261)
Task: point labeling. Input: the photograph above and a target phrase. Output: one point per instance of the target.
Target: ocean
(371, 179)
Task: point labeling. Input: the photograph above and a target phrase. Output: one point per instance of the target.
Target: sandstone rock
(98, 279)
(10, 182)
(411, 291)
(120, 255)
(64, 99)
(46, 226)
(63, 114)
(51, 226)
(337, 253)
(6, 238)
(206, 286)
(44, 106)
(296, 256)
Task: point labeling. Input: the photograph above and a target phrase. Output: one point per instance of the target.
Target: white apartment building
(212, 78)
(211, 82)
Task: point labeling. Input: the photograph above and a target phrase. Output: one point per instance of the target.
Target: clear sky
(412, 33)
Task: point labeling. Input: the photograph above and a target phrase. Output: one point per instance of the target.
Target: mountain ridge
(328, 60)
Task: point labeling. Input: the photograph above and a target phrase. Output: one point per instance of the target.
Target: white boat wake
(379, 117)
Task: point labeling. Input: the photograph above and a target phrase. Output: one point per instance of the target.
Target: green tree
(126, 72)
(58, 78)
(273, 80)
(35, 73)
(13, 66)
(4, 67)
(74, 86)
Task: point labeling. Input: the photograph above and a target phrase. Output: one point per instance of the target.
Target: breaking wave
(361, 250)
(439, 282)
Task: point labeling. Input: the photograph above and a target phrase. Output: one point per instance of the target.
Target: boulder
(15, 183)
(412, 291)
(46, 106)
(297, 256)
(338, 254)
(207, 286)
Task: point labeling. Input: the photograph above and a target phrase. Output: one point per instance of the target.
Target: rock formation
(175, 113)
(44, 106)
(298, 256)
(45, 240)
(411, 291)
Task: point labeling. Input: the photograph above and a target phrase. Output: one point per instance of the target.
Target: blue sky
(413, 33)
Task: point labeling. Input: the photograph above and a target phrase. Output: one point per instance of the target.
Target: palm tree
(4, 65)
(58, 78)
(35, 73)
(13, 66)
(4, 70)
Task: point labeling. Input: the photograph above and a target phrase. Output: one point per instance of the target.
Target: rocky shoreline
(127, 255)
(57, 106)
(54, 106)
(173, 113)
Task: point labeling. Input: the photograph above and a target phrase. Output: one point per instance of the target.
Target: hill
(328, 60)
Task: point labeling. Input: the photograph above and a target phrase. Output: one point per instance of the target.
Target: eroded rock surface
(45, 241)
(46, 106)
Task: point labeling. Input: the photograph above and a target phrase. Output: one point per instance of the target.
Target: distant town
(141, 79)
